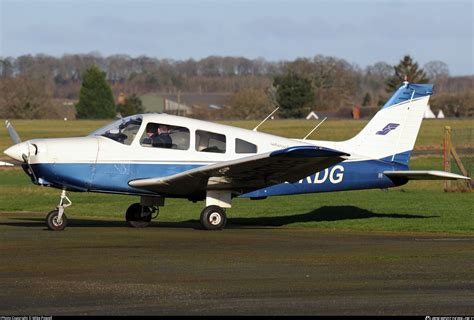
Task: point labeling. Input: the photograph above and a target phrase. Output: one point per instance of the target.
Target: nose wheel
(56, 220)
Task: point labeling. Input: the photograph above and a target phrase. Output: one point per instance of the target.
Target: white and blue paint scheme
(215, 162)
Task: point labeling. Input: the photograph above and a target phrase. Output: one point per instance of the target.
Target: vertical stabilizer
(391, 134)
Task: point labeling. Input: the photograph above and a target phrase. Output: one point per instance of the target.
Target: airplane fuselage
(99, 164)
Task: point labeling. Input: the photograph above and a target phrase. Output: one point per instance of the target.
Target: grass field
(416, 207)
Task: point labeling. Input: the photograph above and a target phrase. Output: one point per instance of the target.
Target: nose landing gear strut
(56, 220)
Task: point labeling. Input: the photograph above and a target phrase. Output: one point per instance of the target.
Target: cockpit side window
(242, 146)
(161, 135)
(122, 131)
(210, 142)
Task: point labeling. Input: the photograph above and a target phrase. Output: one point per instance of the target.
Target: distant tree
(295, 95)
(373, 81)
(380, 70)
(454, 104)
(249, 104)
(132, 105)
(409, 69)
(367, 100)
(6, 67)
(25, 98)
(334, 80)
(95, 98)
(436, 69)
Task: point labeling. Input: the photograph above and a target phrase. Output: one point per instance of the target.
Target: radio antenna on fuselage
(314, 128)
(255, 129)
(271, 93)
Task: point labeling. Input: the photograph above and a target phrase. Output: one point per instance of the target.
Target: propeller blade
(12, 132)
(6, 164)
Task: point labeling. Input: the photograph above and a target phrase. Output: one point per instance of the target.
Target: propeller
(12, 132)
(16, 140)
(6, 164)
(19, 152)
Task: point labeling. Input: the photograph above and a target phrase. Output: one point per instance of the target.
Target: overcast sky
(361, 31)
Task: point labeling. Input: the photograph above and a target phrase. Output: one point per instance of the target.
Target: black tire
(213, 218)
(52, 221)
(134, 218)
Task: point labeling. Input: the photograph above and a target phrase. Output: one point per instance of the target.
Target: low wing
(245, 174)
(424, 175)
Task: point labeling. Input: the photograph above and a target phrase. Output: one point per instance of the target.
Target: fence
(459, 157)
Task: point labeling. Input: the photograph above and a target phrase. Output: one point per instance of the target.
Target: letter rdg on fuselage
(335, 175)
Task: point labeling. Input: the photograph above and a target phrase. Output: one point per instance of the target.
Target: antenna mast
(255, 129)
(315, 128)
(271, 93)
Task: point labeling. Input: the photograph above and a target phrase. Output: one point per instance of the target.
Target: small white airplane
(200, 160)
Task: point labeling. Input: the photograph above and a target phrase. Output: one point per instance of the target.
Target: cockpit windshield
(123, 130)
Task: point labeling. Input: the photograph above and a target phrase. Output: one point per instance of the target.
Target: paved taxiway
(102, 267)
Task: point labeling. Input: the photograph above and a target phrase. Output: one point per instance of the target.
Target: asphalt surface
(102, 267)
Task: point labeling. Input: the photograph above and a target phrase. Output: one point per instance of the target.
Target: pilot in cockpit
(157, 135)
(162, 139)
(150, 130)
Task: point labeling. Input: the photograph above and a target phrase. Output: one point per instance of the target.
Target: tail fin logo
(389, 127)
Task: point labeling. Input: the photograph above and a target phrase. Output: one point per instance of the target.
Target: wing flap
(425, 175)
(246, 174)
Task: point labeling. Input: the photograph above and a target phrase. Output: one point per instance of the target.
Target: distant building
(173, 107)
(356, 112)
(312, 115)
(428, 113)
(183, 103)
(152, 102)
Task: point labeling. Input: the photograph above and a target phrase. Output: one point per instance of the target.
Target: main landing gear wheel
(138, 216)
(54, 223)
(213, 218)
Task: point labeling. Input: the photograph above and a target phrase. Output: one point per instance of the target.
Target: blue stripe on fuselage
(114, 178)
(343, 176)
(107, 177)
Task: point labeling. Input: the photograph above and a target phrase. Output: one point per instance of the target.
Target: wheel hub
(215, 218)
(57, 222)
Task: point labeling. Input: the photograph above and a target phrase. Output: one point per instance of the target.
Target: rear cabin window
(210, 142)
(242, 146)
(161, 135)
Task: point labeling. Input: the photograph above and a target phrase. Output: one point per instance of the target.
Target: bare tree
(436, 70)
(24, 98)
(249, 104)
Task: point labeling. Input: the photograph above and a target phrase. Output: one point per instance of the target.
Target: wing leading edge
(245, 174)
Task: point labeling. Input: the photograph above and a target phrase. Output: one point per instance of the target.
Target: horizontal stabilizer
(424, 175)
